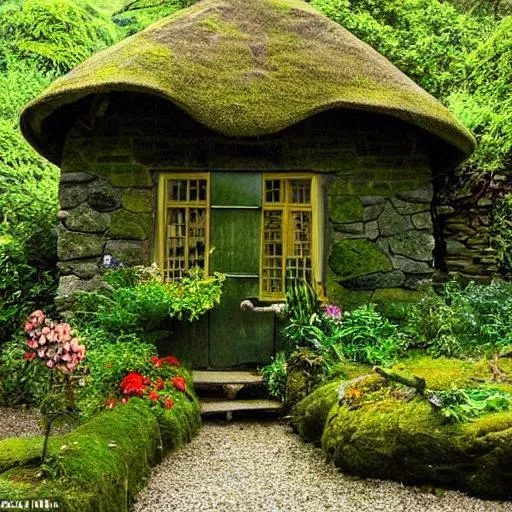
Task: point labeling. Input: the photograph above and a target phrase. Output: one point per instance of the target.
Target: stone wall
(466, 251)
(380, 229)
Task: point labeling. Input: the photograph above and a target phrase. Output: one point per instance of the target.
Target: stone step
(229, 406)
(219, 378)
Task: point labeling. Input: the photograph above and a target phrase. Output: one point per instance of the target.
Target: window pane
(300, 191)
(186, 227)
(177, 190)
(197, 237)
(176, 240)
(272, 271)
(273, 191)
(298, 261)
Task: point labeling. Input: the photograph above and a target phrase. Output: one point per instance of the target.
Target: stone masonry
(379, 240)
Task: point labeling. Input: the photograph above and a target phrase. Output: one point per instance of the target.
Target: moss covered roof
(246, 68)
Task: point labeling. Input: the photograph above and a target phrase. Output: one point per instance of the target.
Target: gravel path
(244, 466)
(19, 422)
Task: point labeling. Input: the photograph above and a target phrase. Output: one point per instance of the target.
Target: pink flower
(37, 318)
(32, 343)
(29, 355)
(333, 312)
(124, 400)
(50, 363)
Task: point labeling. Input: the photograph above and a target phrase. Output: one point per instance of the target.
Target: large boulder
(379, 430)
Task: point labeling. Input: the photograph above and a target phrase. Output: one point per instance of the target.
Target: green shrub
(367, 337)
(56, 34)
(274, 375)
(462, 322)
(139, 302)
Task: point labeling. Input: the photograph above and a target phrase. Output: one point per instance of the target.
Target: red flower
(111, 403)
(155, 359)
(171, 360)
(168, 403)
(153, 396)
(179, 383)
(160, 384)
(29, 355)
(133, 384)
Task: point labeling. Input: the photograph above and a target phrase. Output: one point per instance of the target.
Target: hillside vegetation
(461, 53)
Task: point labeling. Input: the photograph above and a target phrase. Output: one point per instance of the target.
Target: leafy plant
(366, 336)
(462, 322)
(140, 302)
(274, 375)
(56, 34)
(463, 405)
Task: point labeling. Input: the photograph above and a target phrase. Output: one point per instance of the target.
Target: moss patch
(347, 299)
(310, 414)
(345, 209)
(138, 200)
(355, 258)
(378, 433)
(130, 226)
(102, 464)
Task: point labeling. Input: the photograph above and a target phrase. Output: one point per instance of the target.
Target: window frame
(164, 204)
(286, 207)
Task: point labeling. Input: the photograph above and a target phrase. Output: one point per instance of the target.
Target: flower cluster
(159, 361)
(52, 342)
(157, 391)
(333, 312)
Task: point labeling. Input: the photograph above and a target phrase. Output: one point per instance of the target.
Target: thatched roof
(245, 68)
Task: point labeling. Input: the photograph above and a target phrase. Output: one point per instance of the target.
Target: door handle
(248, 305)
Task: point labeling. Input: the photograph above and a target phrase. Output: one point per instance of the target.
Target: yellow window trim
(164, 204)
(317, 227)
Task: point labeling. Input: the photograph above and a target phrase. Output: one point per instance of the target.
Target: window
(287, 234)
(183, 224)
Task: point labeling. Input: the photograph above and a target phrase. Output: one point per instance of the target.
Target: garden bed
(102, 464)
(375, 428)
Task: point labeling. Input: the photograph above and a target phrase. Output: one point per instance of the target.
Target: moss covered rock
(310, 414)
(355, 258)
(345, 209)
(131, 226)
(138, 200)
(409, 442)
(379, 432)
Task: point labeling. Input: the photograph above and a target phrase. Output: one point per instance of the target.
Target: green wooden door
(237, 338)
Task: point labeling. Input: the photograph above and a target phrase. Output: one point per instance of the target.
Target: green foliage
(274, 375)
(502, 232)
(107, 364)
(20, 381)
(426, 39)
(484, 101)
(28, 205)
(463, 405)
(138, 14)
(56, 34)
(139, 302)
(367, 337)
(461, 322)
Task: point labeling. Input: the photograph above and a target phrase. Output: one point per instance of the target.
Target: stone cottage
(252, 137)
